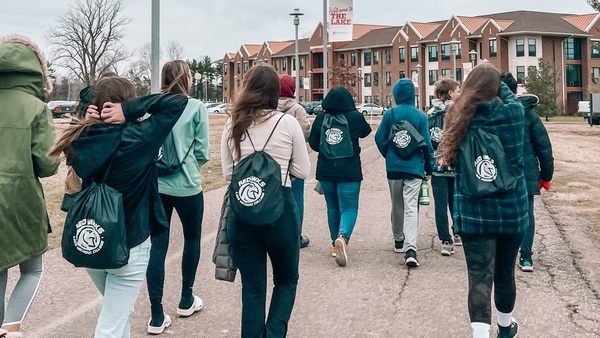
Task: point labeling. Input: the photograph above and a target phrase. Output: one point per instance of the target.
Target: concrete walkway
(374, 296)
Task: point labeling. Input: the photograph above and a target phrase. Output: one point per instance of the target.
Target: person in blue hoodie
(405, 175)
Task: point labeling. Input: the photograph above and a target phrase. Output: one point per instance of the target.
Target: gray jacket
(225, 269)
(290, 106)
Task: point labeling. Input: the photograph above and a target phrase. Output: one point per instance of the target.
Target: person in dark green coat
(26, 136)
(538, 164)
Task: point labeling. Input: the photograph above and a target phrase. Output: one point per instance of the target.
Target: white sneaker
(159, 329)
(447, 248)
(196, 306)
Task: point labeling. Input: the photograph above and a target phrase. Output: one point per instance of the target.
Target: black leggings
(491, 261)
(190, 210)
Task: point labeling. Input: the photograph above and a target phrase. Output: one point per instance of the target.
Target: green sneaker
(508, 331)
(526, 264)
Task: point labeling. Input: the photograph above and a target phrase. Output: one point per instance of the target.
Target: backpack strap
(268, 138)
(188, 151)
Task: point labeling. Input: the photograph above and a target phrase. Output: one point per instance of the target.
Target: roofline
(293, 54)
(369, 47)
(544, 33)
(588, 28)
(411, 26)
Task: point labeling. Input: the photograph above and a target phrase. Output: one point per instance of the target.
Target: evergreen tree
(541, 81)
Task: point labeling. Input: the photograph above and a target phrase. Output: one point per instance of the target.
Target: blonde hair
(174, 77)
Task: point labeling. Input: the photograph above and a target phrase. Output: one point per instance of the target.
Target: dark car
(60, 108)
(311, 106)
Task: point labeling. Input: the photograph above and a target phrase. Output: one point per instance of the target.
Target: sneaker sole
(196, 306)
(341, 257)
(445, 253)
(527, 268)
(399, 250)
(159, 329)
(411, 262)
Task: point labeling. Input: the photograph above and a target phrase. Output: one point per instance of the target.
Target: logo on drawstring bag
(88, 237)
(251, 191)
(334, 136)
(402, 139)
(485, 169)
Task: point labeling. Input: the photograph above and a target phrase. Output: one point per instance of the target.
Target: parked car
(219, 109)
(310, 107)
(369, 109)
(584, 108)
(60, 108)
(211, 104)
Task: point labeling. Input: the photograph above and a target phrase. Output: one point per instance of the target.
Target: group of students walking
(118, 139)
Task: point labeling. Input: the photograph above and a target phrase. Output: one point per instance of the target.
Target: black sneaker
(304, 240)
(410, 259)
(399, 246)
(508, 331)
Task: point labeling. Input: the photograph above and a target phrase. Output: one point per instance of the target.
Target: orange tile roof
(231, 55)
(358, 30)
(278, 46)
(504, 24)
(252, 49)
(425, 28)
(581, 21)
(472, 23)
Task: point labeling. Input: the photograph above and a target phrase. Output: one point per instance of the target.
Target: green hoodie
(26, 136)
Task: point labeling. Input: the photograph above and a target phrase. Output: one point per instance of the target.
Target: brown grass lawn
(212, 177)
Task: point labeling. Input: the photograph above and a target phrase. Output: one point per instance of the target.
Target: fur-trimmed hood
(23, 66)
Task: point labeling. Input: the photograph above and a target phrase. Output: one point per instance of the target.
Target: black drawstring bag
(94, 235)
(483, 166)
(168, 163)
(405, 139)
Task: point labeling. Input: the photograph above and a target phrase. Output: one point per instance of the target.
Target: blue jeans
(249, 246)
(298, 192)
(443, 197)
(527, 243)
(342, 207)
(120, 288)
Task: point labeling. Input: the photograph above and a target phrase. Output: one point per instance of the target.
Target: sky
(214, 27)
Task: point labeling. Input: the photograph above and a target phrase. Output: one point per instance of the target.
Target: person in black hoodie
(340, 178)
(538, 164)
(132, 146)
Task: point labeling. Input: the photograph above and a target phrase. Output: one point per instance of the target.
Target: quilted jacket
(225, 269)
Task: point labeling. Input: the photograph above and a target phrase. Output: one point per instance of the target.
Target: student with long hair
(26, 136)
(491, 227)
(103, 140)
(181, 191)
(253, 119)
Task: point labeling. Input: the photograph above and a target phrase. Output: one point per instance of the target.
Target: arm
(365, 127)
(315, 133)
(202, 144)
(428, 151)
(42, 139)
(226, 155)
(542, 148)
(299, 163)
(382, 135)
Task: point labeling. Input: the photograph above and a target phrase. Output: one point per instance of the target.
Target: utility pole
(155, 48)
(325, 36)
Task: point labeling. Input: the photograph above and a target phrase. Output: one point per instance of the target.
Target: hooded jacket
(134, 146)
(339, 101)
(421, 162)
(26, 136)
(287, 104)
(538, 162)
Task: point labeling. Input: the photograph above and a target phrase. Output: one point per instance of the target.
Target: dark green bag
(335, 139)
(483, 167)
(94, 235)
(168, 163)
(436, 128)
(405, 139)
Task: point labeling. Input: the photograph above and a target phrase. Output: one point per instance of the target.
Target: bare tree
(87, 38)
(174, 50)
(595, 4)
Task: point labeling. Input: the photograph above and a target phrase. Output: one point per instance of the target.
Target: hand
(545, 184)
(427, 177)
(112, 113)
(92, 113)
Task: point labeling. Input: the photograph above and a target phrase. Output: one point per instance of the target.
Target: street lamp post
(472, 56)
(454, 43)
(419, 85)
(309, 73)
(296, 14)
(198, 77)
(359, 71)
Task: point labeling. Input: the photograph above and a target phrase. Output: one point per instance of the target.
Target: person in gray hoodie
(288, 104)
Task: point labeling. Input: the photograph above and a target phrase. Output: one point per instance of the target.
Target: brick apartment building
(424, 51)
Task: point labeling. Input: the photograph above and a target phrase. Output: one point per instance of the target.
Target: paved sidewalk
(374, 296)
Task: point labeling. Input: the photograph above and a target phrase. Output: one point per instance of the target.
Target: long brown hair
(108, 89)
(175, 77)
(260, 92)
(481, 86)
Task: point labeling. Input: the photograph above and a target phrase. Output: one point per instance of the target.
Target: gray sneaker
(447, 248)
(457, 240)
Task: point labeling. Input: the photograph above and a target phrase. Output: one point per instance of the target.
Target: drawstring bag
(94, 235)
(405, 139)
(484, 168)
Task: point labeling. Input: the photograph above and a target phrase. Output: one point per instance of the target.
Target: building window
(493, 51)
(368, 99)
(376, 57)
(388, 78)
(225, 68)
(458, 74)
(574, 76)
(239, 67)
(520, 74)
(293, 63)
(301, 63)
(245, 66)
(375, 79)
(388, 56)
(376, 99)
(368, 80)
(342, 56)
(401, 54)
(276, 65)
(367, 58)
(414, 54)
(433, 53)
(401, 74)
(531, 43)
(595, 74)
(353, 83)
(446, 73)
(433, 76)
(225, 85)
(573, 48)
(301, 83)
(520, 47)
(353, 59)
(458, 51)
(284, 64)
(446, 52)
(595, 49)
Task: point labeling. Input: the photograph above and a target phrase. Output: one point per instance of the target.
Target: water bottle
(424, 193)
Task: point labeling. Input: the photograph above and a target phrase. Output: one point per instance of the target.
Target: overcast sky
(214, 27)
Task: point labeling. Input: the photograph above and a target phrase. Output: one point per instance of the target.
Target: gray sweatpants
(405, 211)
(24, 292)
